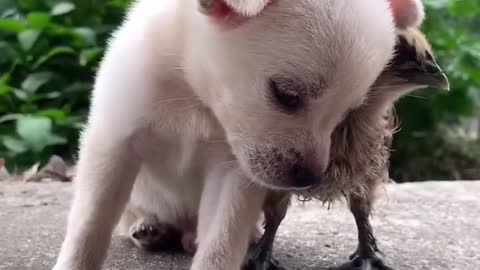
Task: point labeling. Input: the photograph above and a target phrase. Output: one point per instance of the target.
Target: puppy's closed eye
(287, 99)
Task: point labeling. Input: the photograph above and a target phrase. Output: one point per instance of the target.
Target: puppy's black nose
(302, 177)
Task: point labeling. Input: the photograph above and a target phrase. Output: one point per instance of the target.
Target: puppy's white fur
(178, 97)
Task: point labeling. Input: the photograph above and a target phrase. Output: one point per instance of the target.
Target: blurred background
(49, 52)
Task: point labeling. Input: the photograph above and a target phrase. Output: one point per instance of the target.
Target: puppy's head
(280, 79)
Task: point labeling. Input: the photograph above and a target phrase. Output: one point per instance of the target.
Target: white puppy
(190, 107)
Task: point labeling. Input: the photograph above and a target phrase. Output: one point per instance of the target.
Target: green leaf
(53, 95)
(463, 7)
(52, 53)
(38, 20)
(89, 55)
(28, 38)
(8, 10)
(9, 117)
(62, 8)
(77, 87)
(11, 25)
(436, 4)
(36, 132)
(6, 4)
(14, 145)
(86, 35)
(5, 89)
(55, 140)
(8, 53)
(57, 30)
(20, 94)
(36, 80)
(55, 114)
(28, 108)
(5, 78)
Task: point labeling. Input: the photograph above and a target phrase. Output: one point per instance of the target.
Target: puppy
(190, 108)
(360, 152)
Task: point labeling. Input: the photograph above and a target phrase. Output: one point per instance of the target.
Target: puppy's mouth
(270, 179)
(270, 172)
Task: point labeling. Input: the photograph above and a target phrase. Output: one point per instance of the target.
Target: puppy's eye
(288, 100)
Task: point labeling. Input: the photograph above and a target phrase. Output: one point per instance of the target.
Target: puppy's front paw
(209, 263)
(71, 266)
(61, 267)
(73, 261)
(155, 236)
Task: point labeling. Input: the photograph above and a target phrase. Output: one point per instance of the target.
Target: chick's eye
(288, 100)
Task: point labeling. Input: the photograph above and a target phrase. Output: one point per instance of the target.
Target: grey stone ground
(420, 226)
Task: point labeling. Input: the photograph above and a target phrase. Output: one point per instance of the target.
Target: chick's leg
(366, 255)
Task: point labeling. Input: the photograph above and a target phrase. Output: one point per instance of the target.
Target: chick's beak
(429, 74)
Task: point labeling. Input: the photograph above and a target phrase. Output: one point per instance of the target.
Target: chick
(360, 151)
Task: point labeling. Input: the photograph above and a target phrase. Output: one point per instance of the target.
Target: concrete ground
(433, 225)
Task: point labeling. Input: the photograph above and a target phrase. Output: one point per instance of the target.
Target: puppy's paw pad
(150, 235)
(189, 243)
(146, 231)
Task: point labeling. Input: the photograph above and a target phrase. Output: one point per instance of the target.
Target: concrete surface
(434, 226)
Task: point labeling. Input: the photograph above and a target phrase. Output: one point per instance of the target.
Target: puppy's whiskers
(264, 177)
(193, 106)
(388, 87)
(176, 99)
(178, 68)
(217, 142)
(416, 96)
(227, 163)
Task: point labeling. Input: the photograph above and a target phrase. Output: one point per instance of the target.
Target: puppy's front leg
(227, 216)
(106, 172)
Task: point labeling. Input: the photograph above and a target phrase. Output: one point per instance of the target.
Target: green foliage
(49, 53)
(452, 28)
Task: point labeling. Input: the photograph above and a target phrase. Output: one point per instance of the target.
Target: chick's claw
(358, 263)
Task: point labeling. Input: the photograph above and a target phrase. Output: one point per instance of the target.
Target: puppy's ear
(221, 9)
(407, 13)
